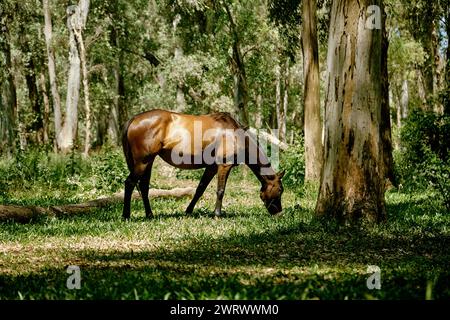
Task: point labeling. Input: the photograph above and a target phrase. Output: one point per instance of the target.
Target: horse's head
(271, 192)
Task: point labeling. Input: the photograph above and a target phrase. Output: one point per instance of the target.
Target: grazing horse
(215, 142)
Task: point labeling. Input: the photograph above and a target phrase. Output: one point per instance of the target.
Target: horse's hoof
(126, 218)
(149, 216)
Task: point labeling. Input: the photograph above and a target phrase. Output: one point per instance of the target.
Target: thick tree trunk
(353, 175)
(51, 68)
(312, 122)
(76, 19)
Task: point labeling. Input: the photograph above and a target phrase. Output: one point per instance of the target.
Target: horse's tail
(126, 146)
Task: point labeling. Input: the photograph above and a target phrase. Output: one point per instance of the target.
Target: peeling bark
(355, 167)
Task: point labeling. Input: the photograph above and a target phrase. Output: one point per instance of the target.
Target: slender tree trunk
(239, 74)
(118, 113)
(353, 175)
(285, 103)
(180, 99)
(52, 69)
(404, 103)
(8, 99)
(258, 115)
(87, 102)
(278, 95)
(45, 120)
(312, 122)
(446, 96)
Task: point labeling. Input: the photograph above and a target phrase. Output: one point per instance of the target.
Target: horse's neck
(260, 165)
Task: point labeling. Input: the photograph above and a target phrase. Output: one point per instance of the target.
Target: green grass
(247, 254)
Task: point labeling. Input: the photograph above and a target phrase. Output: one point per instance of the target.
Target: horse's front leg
(222, 176)
(208, 175)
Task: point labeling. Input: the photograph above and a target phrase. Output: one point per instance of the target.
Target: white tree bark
(76, 20)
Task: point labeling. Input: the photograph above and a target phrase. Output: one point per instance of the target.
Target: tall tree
(313, 125)
(239, 74)
(8, 93)
(352, 182)
(48, 33)
(76, 20)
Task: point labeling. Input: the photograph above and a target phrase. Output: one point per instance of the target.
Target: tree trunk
(32, 85)
(76, 19)
(52, 69)
(239, 74)
(446, 96)
(278, 95)
(8, 95)
(312, 122)
(258, 115)
(285, 103)
(87, 103)
(118, 113)
(45, 120)
(352, 182)
(180, 99)
(402, 113)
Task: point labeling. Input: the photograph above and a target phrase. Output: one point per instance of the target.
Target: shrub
(423, 160)
(293, 161)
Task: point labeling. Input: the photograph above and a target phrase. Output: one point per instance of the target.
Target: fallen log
(24, 214)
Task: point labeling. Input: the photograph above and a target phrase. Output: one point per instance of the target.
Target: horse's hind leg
(130, 183)
(144, 186)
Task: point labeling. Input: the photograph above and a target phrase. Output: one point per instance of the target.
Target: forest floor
(247, 254)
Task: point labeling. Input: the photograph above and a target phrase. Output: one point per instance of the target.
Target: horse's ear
(281, 174)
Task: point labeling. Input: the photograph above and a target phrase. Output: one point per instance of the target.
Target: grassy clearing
(245, 255)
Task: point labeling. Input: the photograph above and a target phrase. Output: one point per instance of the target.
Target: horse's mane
(227, 117)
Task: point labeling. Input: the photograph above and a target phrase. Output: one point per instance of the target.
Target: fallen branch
(269, 137)
(25, 214)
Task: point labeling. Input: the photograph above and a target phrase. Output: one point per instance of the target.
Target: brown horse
(215, 142)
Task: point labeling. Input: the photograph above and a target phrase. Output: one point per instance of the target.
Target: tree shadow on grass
(290, 259)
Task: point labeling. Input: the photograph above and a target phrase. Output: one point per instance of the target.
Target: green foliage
(293, 161)
(424, 159)
(109, 169)
(104, 171)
